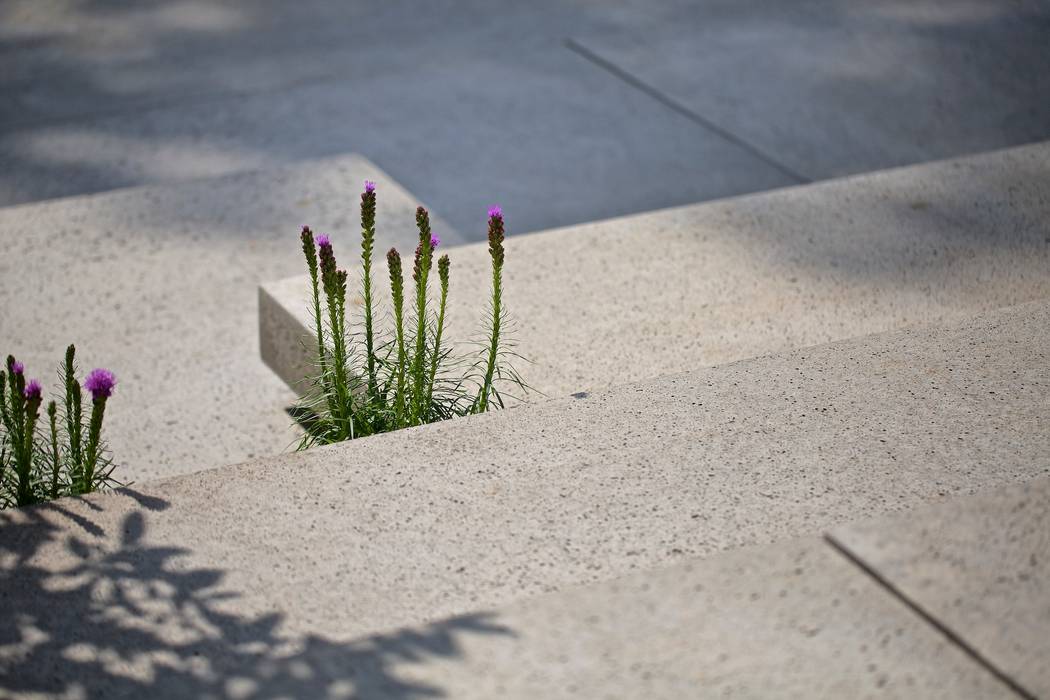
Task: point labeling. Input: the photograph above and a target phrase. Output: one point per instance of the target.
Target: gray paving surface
(342, 543)
(827, 88)
(980, 566)
(158, 284)
(609, 302)
(469, 103)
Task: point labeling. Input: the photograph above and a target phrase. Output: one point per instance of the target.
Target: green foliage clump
(62, 455)
(408, 375)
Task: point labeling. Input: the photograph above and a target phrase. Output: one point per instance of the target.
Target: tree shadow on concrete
(93, 614)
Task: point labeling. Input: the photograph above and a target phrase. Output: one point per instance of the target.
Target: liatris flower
(496, 235)
(323, 241)
(496, 253)
(33, 390)
(368, 233)
(434, 242)
(100, 383)
(16, 367)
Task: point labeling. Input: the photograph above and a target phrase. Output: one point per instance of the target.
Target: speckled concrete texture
(792, 620)
(158, 284)
(431, 522)
(622, 300)
(980, 566)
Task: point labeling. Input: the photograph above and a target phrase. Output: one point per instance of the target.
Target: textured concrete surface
(158, 284)
(827, 88)
(980, 566)
(622, 300)
(792, 620)
(470, 102)
(343, 542)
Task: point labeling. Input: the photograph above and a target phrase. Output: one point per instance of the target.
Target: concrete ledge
(981, 567)
(791, 620)
(621, 300)
(332, 545)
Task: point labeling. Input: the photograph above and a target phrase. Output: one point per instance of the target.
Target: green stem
(56, 460)
(98, 409)
(443, 267)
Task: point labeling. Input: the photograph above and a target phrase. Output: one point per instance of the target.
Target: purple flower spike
(495, 212)
(370, 187)
(32, 390)
(323, 241)
(100, 383)
(434, 242)
(17, 367)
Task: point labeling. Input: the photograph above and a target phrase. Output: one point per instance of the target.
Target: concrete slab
(352, 540)
(980, 567)
(828, 88)
(528, 125)
(792, 620)
(789, 620)
(622, 300)
(158, 283)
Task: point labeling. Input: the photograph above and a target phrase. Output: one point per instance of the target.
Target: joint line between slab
(951, 635)
(681, 109)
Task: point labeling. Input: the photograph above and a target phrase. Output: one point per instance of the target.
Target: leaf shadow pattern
(120, 618)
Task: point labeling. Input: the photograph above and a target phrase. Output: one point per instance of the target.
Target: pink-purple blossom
(495, 212)
(100, 383)
(323, 241)
(434, 242)
(370, 187)
(17, 367)
(32, 390)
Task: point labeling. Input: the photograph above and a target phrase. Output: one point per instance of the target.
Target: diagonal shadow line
(949, 633)
(681, 109)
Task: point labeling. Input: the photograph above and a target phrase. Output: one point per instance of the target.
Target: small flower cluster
(65, 457)
(407, 376)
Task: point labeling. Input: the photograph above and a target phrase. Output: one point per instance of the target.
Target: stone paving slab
(626, 299)
(158, 283)
(345, 542)
(980, 566)
(829, 88)
(493, 111)
(791, 620)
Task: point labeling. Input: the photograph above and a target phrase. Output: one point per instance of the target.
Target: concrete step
(158, 283)
(296, 557)
(621, 300)
(789, 620)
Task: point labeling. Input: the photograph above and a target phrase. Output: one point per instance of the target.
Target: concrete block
(622, 300)
(980, 566)
(352, 540)
(791, 620)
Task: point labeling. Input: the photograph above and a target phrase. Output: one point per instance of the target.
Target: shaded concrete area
(158, 284)
(357, 539)
(467, 103)
(622, 300)
(124, 619)
(978, 566)
(107, 612)
(826, 88)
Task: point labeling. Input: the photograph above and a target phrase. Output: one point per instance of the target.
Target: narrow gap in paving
(929, 618)
(681, 109)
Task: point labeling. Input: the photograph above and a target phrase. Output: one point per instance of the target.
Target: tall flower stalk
(409, 375)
